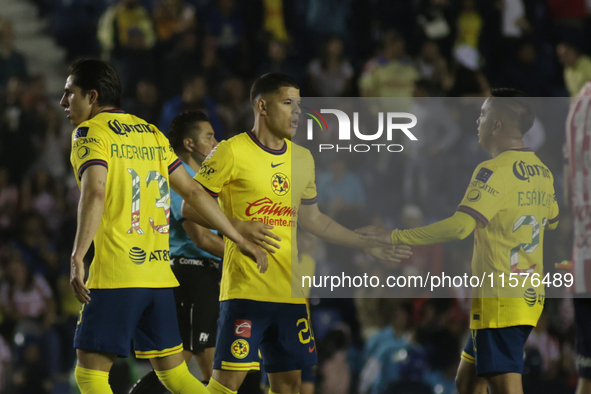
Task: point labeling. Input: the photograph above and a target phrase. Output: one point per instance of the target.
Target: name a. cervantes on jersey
(264, 210)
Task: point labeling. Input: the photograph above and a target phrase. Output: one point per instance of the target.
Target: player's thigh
(108, 322)
(467, 382)
(288, 344)
(187, 355)
(288, 382)
(505, 383)
(583, 386)
(157, 332)
(307, 388)
(165, 363)
(97, 361)
(205, 362)
(582, 308)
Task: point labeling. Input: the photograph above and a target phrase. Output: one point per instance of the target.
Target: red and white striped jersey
(578, 153)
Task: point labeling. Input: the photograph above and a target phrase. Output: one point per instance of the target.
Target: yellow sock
(215, 387)
(179, 380)
(91, 381)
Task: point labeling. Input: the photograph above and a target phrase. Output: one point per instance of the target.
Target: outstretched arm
(194, 194)
(204, 239)
(454, 228)
(320, 225)
(256, 232)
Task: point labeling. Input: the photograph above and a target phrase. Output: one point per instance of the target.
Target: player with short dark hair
(508, 240)
(94, 75)
(262, 176)
(124, 167)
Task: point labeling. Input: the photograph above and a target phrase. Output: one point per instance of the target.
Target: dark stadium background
(176, 55)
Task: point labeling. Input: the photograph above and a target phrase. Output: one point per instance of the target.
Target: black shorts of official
(197, 301)
(583, 338)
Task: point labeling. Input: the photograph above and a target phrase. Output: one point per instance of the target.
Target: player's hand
(77, 281)
(258, 233)
(254, 252)
(377, 234)
(389, 253)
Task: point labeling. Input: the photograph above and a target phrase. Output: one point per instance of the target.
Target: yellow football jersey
(253, 182)
(131, 244)
(513, 200)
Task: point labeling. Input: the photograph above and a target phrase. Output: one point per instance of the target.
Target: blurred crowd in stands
(175, 55)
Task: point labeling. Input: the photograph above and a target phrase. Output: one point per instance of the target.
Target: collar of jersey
(113, 111)
(266, 149)
(519, 149)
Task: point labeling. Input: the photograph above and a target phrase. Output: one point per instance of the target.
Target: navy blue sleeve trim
(176, 164)
(89, 163)
(211, 193)
(474, 213)
(309, 201)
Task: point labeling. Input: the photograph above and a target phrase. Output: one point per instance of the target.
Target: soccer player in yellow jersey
(261, 176)
(124, 167)
(509, 203)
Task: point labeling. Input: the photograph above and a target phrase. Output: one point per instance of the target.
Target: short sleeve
(486, 194)
(172, 160)
(89, 148)
(310, 194)
(216, 170)
(554, 215)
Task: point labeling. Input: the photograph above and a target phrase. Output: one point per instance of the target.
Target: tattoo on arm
(102, 183)
(327, 226)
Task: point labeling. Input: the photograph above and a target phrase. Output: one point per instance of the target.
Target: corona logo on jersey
(280, 184)
(345, 130)
(273, 213)
(523, 171)
(124, 128)
(240, 348)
